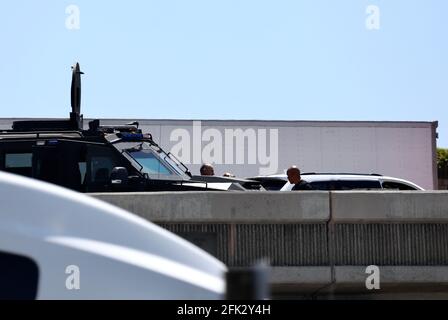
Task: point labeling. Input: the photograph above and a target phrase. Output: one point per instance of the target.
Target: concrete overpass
(319, 244)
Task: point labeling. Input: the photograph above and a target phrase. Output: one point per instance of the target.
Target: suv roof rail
(8, 134)
(342, 173)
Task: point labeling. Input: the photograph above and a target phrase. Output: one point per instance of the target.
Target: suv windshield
(152, 160)
(150, 163)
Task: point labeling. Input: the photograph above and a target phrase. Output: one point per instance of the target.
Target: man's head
(293, 175)
(207, 170)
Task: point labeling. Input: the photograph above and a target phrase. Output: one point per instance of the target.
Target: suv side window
(391, 185)
(358, 184)
(19, 163)
(100, 160)
(273, 185)
(325, 185)
(19, 277)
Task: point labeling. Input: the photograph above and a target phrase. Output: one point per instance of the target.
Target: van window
(19, 277)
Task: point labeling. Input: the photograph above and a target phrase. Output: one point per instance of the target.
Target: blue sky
(226, 59)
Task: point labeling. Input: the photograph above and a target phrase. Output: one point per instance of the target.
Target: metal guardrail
(309, 244)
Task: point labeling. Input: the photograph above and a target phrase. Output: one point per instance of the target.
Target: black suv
(99, 159)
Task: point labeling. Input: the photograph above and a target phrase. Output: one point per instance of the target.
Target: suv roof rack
(43, 125)
(94, 126)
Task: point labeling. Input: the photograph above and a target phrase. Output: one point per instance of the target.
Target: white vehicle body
(87, 249)
(382, 180)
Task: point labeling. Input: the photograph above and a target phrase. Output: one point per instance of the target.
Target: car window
(324, 185)
(151, 164)
(392, 185)
(19, 163)
(272, 185)
(19, 277)
(358, 184)
(18, 160)
(82, 165)
(155, 163)
(99, 164)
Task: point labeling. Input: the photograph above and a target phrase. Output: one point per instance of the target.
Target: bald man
(295, 178)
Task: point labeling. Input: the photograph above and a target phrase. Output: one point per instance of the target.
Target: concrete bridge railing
(317, 242)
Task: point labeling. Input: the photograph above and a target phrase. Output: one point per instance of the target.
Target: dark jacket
(302, 185)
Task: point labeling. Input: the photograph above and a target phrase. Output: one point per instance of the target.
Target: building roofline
(247, 122)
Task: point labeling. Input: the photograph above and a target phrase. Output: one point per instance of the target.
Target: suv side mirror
(119, 176)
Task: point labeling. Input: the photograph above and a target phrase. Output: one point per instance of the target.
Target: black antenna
(75, 115)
